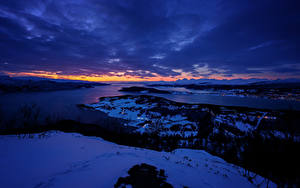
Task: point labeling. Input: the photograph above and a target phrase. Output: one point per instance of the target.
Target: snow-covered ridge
(155, 114)
(72, 160)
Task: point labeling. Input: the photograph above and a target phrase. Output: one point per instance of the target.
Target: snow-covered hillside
(156, 114)
(58, 159)
(146, 115)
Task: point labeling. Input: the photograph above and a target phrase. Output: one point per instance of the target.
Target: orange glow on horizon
(126, 78)
(92, 77)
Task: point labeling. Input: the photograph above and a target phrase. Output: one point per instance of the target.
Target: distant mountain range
(228, 82)
(177, 82)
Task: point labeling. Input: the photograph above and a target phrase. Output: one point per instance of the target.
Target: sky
(150, 40)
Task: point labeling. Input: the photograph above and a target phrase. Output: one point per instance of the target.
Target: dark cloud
(146, 38)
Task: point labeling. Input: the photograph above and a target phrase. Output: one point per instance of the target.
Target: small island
(136, 89)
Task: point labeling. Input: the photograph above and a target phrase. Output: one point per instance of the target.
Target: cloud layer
(151, 39)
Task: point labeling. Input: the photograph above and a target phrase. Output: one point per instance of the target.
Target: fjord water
(63, 103)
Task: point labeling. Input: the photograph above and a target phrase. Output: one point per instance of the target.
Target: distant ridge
(33, 78)
(227, 82)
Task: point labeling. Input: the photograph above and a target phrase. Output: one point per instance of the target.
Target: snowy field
(71, 160)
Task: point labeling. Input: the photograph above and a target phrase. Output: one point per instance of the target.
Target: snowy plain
(57, 159)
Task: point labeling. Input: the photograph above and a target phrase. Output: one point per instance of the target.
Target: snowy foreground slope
(72, 160)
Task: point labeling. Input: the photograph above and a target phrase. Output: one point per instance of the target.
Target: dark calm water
(63, 103)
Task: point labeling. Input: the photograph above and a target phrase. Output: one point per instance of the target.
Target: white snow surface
(73, 160)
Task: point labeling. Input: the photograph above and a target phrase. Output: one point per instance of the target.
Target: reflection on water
(64, 102)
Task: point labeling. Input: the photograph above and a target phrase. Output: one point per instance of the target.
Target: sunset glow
(109, 78)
